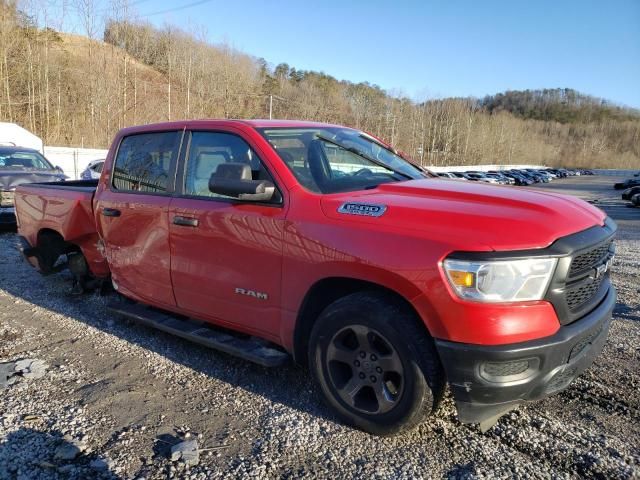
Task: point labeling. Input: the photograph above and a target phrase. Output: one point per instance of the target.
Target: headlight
(500, 280)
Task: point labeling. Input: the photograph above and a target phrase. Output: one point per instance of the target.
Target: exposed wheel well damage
(324, 293)
(50, 245)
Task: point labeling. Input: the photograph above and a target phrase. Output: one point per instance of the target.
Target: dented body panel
(67, 211)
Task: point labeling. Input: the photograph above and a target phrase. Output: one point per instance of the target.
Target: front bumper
(488, 381)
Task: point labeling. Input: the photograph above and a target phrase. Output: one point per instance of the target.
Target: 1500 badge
(366, 209)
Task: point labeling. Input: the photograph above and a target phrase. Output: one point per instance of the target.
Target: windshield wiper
(363, 155)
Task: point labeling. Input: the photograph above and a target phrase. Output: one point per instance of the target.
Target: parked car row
(631, 189)
(515, 176)
(628, 183)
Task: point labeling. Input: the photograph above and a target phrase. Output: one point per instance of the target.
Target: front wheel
(375, 364)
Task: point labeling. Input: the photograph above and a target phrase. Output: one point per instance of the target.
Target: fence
(73, 160)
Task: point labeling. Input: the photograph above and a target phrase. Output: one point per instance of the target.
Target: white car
(93, 170)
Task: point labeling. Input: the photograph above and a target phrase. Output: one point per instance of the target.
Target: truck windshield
(11, 158)
(334, 159)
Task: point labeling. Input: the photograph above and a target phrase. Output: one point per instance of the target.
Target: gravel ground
(116, 397)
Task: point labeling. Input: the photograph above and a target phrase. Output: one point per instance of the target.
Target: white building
(14, 135)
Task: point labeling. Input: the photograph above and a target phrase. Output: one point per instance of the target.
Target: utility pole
(270, 106)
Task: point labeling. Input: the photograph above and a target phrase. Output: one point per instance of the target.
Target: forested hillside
(562, 105)
(74, 90)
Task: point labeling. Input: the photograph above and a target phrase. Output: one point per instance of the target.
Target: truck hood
(9, 179)
(471, 215)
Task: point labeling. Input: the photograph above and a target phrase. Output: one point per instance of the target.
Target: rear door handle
(110, 212)
(185, 221)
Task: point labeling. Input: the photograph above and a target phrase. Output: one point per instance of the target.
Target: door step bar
(248, 348)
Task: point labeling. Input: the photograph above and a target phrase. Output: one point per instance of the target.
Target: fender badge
(366, 209)
(252, 293)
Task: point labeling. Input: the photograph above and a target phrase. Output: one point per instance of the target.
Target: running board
(248, 348)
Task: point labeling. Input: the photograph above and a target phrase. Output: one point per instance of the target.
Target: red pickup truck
(278, 239)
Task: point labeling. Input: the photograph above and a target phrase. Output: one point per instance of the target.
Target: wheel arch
(48, 232)
(326, 291)
(49, 241)
(50, 244)
(52, 235)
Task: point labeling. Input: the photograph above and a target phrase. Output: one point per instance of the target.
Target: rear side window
(144, 162)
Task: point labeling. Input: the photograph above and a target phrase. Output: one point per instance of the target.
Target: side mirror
(59, 168)
(250, 190)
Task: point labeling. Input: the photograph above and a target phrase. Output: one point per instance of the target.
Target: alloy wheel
(365, 369)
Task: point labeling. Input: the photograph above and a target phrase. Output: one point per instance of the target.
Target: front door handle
(110, 212)
(185, 221)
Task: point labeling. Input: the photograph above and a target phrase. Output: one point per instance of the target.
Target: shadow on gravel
(162, 445)
(290, 385)
(462, 472)
(30, 453)
(625, 312)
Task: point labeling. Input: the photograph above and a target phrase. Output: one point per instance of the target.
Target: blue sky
(433, 49)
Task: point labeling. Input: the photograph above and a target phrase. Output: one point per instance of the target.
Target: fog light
(505, 369)
(509, 371)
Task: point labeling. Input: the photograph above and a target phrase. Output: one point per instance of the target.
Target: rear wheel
(375, 364)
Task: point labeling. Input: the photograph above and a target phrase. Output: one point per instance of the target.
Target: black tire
(384, 401)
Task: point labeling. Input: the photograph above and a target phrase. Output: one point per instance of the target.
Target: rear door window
(145, 161)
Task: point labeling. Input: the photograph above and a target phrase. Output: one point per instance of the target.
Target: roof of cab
(286, 123)
(209, 123)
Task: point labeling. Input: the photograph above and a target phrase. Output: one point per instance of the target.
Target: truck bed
(75, 185)
(65, 208)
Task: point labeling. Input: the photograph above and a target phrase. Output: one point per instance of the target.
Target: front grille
(576, 297)
(583, 281)
(6, 199)
(580, 282)
(590, 259)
